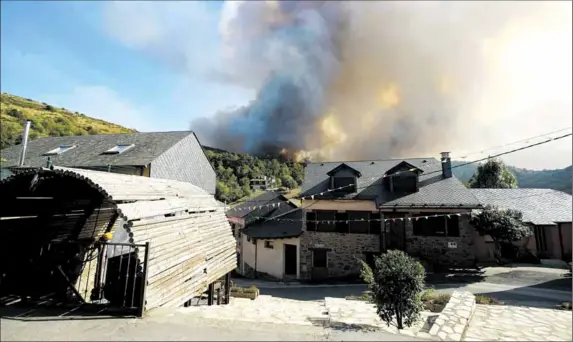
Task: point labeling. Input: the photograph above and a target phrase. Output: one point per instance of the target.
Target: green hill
(46, 120)
(233, 170)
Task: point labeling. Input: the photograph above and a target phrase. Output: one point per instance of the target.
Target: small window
(269, 245)
(375, 224)
(311, 222)
(341, 222)
(453, 223)
(326, 221)
(430, 226)
(348, 184)
(60, 150)
(319, 258)
(117, 149)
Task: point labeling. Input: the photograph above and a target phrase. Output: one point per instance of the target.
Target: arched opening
(52, 227)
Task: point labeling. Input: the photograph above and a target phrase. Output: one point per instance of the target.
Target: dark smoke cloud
(310, 60)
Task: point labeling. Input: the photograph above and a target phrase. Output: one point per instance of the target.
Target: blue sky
(137, 64)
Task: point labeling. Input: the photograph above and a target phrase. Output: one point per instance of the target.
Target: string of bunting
(395, 219)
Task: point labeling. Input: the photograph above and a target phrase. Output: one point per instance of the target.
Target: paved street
(527, 286)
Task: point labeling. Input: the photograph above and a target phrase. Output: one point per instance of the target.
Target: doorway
(395, 231)
(319, 264)
(290, 260)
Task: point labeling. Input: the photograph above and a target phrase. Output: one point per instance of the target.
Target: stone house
(266, 248)
(382, 200)
(176, 156)
(548, 212)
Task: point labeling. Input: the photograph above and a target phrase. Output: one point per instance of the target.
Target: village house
(376, 208)
(260, 243)
(168, 155)
(548, 212)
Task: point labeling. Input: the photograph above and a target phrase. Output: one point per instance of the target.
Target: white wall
(270, 261)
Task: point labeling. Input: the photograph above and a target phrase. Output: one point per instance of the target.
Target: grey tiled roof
(148, 146)
(277, 229)
(538, 206)
(434, 190)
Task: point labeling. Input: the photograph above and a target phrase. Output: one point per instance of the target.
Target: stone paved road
(514, 323)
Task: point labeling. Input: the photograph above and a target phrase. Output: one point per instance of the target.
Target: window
(311, 221)
(59, 150)
(349, 184)
(269, 244)
(430, 226)
(319, 258)
(359, 224)
(341, 222)
(404, 183)
(375, 224)
(117, 149)
(437, 226)
(326, 222)
(453, 225)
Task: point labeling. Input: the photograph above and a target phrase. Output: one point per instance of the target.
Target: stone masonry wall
(343, 258)
(453, 321)
(435, 248)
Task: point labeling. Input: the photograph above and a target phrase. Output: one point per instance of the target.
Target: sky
(153, 66)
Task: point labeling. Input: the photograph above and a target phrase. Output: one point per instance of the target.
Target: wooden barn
(119, 241)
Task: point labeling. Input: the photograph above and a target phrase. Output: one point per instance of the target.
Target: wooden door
(290, 259)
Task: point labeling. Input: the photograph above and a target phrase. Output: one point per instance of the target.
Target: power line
(526, 140)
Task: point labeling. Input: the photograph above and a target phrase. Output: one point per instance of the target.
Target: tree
(493, 174)
(396, 283)
(503, 226)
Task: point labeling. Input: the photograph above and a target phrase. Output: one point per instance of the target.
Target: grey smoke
(311, 58)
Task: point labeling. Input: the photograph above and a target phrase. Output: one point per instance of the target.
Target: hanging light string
(312, 197)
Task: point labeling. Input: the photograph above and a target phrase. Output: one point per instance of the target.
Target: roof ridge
(368, 160)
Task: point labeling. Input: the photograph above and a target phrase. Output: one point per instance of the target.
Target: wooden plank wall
(187, 253)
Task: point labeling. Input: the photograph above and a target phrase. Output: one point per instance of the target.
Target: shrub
(481, 299)
(250, 289)
(48, 107)
(396, 282)
(15, 113)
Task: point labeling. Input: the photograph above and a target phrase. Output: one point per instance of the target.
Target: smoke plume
(358, 80)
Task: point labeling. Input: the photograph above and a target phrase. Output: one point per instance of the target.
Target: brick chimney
(446, 165)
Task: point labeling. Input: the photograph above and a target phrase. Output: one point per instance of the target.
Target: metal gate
(105, 275)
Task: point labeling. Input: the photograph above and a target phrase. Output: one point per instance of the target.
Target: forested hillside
(559, 179)
(233, 170)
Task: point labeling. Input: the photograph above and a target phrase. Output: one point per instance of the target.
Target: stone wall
(345, 251)
(435, 248)
(452, 322)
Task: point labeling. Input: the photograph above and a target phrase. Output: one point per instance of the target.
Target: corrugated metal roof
(538, 206)
(149, 196)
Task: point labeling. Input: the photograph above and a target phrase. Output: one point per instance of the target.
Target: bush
(480, 299)
(250, 289)
(396, 282)
(15, 113)
(48, 107)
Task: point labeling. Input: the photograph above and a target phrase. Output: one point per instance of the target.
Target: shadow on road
(29, 313)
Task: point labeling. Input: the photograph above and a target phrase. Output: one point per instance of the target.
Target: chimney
(24, 143)
(446, 165)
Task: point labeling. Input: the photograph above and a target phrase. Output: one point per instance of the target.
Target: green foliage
(501, 225)
(396, 283)
(559, 179)
(234, 172)
(46, 121)
(493, 174)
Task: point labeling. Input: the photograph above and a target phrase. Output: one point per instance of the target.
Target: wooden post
(210, 294)
(218, 293)
(143, 289)
(228, 288)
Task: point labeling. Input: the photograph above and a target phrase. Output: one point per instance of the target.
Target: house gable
(343, 179)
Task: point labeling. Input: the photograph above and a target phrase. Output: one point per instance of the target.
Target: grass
(481, 299)
(565, 306)
(47, 120)
(246, 198)
(250, 289)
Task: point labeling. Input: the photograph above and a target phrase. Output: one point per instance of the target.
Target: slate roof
(277, 229)
(148, 146)
(538, 206)
(265, 200)
(434, 190)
